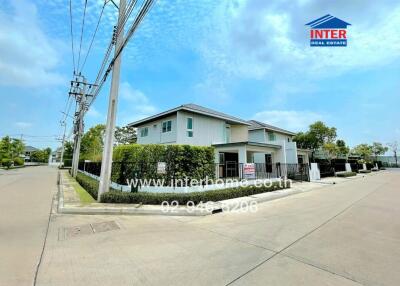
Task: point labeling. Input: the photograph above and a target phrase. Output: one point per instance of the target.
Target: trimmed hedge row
(346, 174)
(182, 161)
(91, 186)
(183, 198)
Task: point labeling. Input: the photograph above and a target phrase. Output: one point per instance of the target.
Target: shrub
(5, 162)
(346, 174)
(18, 161)
(364, 171)
(89, 184)
(183, 198)
(182, 161)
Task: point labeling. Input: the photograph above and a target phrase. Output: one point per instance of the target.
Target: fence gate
(298, 172)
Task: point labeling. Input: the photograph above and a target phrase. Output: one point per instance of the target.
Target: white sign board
(161, 167)
(249, 171)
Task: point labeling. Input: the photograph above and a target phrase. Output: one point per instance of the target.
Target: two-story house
(235, 140)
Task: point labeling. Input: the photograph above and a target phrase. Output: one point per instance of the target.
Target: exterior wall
(257, 136)
(305, 155)
(206, 130)
(239, 133)
(155, 135)
(291, 152)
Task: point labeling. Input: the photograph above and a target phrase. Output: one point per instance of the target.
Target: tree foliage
(125, 135)
(92, 143)
(378, 149)
(41, 156)
(363, 150)
(11, 148)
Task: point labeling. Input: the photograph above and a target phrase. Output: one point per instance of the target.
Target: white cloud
(264, 39)
(23, 125)
(28, 57)
(134, 104)
(289, 119)
(93, 112)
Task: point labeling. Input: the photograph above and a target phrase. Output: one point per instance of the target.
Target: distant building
(28, 152)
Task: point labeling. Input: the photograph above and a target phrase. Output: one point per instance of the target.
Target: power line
(83, 26)
(72, 35)
(94, 35)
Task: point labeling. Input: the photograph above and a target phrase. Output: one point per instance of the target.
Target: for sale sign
(249, 171)
(161, 167)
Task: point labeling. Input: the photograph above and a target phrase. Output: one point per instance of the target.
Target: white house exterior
(235, 140)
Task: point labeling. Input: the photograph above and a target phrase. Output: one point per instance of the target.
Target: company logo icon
(328, 31)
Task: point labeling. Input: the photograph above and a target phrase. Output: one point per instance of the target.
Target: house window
(271, 136)
(144, 131)
(166, 126)
(189, 127)
(221, 158)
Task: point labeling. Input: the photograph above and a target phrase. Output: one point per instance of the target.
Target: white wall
(206, 130)
(257, 136)
(155, 135)
(239, 133)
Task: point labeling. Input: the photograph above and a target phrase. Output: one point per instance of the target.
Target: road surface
(25, 202)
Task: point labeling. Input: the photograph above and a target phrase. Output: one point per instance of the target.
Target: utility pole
(63, 123)
(78, 128)
(106, 162)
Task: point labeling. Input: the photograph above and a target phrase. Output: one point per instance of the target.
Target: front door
(268, 163)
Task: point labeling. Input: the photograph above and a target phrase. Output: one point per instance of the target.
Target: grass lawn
(83, 195)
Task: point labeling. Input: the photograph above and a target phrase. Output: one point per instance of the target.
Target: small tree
(331, 149)
(394, 148)
(363, 150)
(378, 149)
(342, 148)
(125, 135)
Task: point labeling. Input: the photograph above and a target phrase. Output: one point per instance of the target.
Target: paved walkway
(343, 234)
(25, 202)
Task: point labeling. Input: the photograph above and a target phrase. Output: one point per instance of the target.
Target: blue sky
(248, 58)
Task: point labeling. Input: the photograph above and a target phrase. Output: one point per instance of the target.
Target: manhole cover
(76, 231)
(105, 226)
(87, 229)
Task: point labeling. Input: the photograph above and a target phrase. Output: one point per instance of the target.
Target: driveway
(343, 234)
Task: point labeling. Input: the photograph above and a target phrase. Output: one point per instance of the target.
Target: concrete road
(344, 234)
(25, 202)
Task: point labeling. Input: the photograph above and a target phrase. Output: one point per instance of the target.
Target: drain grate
(86, 229)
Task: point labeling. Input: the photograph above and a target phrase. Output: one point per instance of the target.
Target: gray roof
(195, 109)
(30, 149)
(261, 125)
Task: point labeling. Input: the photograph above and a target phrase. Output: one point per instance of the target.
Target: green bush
(346, 174)
(183, 198)
(364, 171)
(18, 161)
(89, 184)
(182, 161)
(5, 162)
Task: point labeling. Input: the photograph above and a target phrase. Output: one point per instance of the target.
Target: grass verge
(84, 196)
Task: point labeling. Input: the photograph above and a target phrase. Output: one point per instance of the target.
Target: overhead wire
(82, 29)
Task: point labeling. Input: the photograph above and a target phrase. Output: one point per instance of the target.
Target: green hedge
(183, 198)
(89, 184)
(346, 174)
(182, 161)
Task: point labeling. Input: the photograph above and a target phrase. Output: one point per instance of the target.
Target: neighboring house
(28, 152)
(56, 155)
(235, 140)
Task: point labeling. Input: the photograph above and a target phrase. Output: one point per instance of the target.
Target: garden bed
(113, 196)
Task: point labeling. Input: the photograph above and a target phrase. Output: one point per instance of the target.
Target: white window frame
(142, 129)
(187, 129)
(162, 126)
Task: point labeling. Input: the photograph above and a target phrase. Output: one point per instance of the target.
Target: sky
(247, 58)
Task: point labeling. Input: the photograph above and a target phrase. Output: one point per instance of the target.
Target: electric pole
(63, 123)
(106, 162)
(78, 128)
